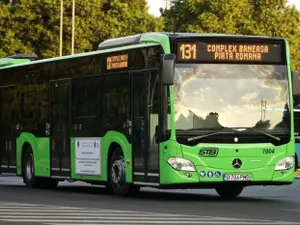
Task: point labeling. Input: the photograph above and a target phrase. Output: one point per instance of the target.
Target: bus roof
(125, 43)
(4, 62)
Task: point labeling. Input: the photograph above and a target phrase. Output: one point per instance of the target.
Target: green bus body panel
(162, 39)
(106, 141)
(264, 174)
(5, 62)
(291, 150)
(251, 153)
(261, 167)
(41, 151)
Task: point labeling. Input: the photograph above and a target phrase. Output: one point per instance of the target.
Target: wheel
(29, 177)
(28, 169)
(229, 191)
(117, 175)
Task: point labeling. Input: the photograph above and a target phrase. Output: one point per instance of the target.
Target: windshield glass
(216, 96)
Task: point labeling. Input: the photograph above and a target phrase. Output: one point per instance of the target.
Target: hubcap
(118, 171)
(29, 167)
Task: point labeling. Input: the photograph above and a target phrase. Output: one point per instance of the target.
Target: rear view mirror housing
(167, 71)
(295, 82)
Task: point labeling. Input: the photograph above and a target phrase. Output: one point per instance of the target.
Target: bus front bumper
(209, 177)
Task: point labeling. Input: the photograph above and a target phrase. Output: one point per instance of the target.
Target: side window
(116, 101)
(28, 102)
(86, 106)
(153, 102)
(86, 93)
(153, 97)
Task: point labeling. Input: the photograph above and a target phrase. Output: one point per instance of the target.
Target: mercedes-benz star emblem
(237, 163)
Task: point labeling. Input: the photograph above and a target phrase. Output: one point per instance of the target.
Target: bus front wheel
(117, 174)
(229, 191)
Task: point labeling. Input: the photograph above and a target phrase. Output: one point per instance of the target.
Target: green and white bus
(170, 111)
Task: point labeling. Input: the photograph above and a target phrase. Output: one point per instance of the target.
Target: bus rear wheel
(229, 191)
(117, 175)
(29, 178)
(28, 169)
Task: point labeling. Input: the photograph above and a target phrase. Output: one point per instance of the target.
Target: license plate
(237, 177)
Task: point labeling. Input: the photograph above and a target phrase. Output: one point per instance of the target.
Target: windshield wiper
(259, 131)
(267, 134)
(209, 134)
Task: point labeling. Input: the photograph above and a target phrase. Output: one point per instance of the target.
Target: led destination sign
(117, 62)
(229, 52)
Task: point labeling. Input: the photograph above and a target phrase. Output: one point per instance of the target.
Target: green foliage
(250, 17)
(34, 25)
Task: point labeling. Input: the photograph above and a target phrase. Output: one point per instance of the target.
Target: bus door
(8, 129)
(60, 128)
(145, 160)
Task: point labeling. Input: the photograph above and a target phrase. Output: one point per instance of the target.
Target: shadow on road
(148, 194)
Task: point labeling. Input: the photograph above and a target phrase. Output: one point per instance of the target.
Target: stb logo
(237, 163)
(209, 152)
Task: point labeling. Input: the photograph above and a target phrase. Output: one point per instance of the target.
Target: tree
(249, 17)
(34, 25)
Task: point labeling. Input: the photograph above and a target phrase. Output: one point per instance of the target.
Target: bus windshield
(216, 96)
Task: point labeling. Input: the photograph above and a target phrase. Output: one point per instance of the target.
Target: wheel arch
(40, 149)
(111, 142)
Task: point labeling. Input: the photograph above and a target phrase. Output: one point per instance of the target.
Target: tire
(29, 177)
(229, 191)
(117, 175)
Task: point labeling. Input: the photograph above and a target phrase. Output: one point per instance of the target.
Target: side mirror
(167, 69)
(295, 82)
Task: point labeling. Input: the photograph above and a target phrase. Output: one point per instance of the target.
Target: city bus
(161, 110)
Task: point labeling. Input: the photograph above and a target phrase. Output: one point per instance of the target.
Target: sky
(154, 5)
(205, 88)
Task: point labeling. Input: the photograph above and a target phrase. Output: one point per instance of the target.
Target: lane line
(93, 214)
(107, 218)
(60, 215)
(148, 222)
(70, 210)
(291, 210)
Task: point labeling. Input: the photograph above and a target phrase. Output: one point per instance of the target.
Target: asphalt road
(78, 203)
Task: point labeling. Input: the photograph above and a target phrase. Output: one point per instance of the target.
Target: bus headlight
(181, 164)
(285, 164)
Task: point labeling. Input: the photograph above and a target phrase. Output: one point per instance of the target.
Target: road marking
(179, 222)
(65, 222)
(292, 210)
(59, 215)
